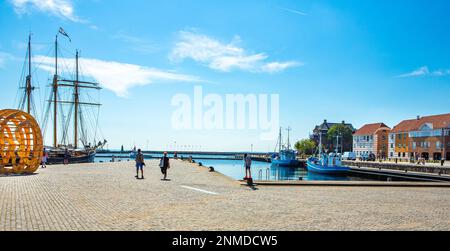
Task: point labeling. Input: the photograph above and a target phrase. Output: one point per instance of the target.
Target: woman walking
(66, 157)
(44, 159)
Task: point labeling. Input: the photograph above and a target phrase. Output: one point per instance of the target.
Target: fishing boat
(285, 155)
(65, 108)
(330, 164)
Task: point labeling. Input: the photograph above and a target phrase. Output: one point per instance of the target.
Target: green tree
(305, 146)
(340, 130)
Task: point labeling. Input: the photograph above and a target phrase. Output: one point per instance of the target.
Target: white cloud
(223, 57)
(118, 77)
(136, 43)
(60, 8)
(277, 66)
(425, 71)
(4, 57)
(293, 11)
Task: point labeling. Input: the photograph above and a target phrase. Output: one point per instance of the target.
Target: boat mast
(288, 140)
(320, 143)
(29, 87)
(279, 141)
(55, 96)
(76, 103)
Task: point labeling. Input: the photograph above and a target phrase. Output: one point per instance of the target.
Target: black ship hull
(89, 157)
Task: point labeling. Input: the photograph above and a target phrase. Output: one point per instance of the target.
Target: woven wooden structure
(21, 144)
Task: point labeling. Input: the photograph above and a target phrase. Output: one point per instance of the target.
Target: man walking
(248, 166)
(164, 165)
(139, 164)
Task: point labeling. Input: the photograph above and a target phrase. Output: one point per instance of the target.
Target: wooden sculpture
(21, 145)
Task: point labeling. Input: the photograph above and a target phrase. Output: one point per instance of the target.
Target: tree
(343, 131)
(305, 146)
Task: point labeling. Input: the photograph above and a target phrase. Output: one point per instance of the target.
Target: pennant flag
(63, 32)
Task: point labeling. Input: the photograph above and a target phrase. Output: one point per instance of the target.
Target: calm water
(260, 170)
(267, 171)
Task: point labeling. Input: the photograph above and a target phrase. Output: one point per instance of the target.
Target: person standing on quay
(164, 165)
(248, 166)
(44, 159)
(66, 157)
(139, 164)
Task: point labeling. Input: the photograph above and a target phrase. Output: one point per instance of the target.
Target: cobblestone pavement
(107, 197)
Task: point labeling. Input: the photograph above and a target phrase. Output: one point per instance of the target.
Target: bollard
(268, 174)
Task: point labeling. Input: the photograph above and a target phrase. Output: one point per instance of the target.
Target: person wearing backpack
(164, 165)
(139, 164)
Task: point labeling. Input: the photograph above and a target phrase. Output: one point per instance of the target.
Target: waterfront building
(323, 128)
(391, 146)
(424, 137)
(372, 138)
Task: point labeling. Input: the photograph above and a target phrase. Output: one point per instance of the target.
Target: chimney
(343, 122)
(325, 121)
(418, 117)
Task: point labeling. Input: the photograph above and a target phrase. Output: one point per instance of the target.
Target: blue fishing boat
(285, 156)
(327, 164)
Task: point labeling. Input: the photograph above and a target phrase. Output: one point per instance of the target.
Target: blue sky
(358, 61)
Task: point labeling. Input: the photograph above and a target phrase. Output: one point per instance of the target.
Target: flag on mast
(63, 32)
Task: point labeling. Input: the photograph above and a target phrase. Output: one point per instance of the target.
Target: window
(414, 145)
(404, 155)
(438, 145)
(399, 145)
(392, 145)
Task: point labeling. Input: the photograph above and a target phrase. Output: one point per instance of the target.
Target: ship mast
(55, 96)
(29, 88)
(76, 103)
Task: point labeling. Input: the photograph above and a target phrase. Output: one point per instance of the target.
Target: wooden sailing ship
(61, 148)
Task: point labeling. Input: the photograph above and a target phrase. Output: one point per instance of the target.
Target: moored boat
(285, 156)
(326, 164)
(69, 109)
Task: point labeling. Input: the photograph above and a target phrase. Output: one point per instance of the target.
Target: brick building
(330, 145)
(427, 137)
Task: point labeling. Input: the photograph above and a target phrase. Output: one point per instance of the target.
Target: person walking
(248, 166)
(44, 159)
(139, 164)
(66, 157)
(164, 164)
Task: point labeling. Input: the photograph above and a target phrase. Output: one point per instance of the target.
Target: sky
(358, 61)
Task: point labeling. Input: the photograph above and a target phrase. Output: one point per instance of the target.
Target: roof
(370, 129)
(327, 125)
(438, 122)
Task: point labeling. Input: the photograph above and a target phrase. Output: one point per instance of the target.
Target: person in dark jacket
(164, 164)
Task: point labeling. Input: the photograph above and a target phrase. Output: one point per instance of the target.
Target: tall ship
(285, 156)
(69, 111)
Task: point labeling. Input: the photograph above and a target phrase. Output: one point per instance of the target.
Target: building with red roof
(424, 137)
(371, 139)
